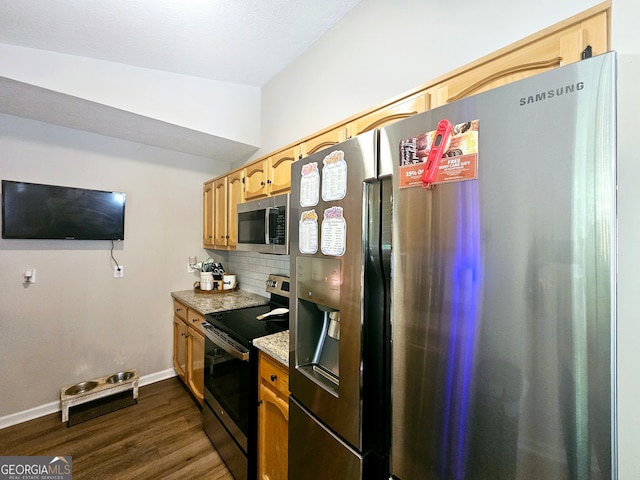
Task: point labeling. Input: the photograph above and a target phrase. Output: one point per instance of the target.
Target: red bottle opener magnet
(438, 147)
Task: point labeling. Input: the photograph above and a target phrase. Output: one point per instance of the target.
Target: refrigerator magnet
(308, 232)
(309, 185)
(436, 152)
(334, 176)
(334, 232)
(458, 163)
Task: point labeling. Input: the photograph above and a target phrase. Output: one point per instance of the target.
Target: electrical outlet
(29, 276)
(190, 268)
(118, 272)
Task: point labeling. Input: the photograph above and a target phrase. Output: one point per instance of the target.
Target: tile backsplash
(252, 269)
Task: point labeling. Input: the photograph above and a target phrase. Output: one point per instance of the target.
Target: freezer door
(503, 288)
(318, 453)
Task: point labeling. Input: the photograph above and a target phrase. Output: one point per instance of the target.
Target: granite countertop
(205, 303)
(276, 346)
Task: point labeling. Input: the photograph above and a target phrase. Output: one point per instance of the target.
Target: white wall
(78, 322)
(625, 40)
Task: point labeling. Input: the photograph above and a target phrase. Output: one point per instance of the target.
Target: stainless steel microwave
(263, 225)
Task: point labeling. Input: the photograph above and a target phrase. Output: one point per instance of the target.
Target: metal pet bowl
(120, 377)
(81, 387)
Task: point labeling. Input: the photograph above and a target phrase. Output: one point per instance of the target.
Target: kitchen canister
(228, 281)
(206, 281)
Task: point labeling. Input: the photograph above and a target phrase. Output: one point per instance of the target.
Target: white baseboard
(156, 377)
(53, 407)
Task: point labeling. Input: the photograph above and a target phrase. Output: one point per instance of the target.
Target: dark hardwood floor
(159, 438)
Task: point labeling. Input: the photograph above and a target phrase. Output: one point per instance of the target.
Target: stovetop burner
(242, 324)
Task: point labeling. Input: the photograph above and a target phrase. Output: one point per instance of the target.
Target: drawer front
(195, 319)
(274, 374)
(180, 310)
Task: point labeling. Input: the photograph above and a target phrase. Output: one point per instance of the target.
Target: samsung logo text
(549, 94)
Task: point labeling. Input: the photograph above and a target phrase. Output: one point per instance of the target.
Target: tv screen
(36, 211)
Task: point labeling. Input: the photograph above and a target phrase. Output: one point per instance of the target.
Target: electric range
(230, 410)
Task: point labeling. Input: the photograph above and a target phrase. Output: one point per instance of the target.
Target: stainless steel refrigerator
(504, 281)
(453, 303)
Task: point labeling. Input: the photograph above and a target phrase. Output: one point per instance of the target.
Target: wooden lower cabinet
(188, 348)
(273, 419)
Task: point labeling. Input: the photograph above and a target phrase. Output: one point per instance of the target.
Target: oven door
(227, 380)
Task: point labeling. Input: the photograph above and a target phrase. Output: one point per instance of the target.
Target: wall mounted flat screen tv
(36, 211)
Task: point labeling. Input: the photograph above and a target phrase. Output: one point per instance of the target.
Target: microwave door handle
(267, 225)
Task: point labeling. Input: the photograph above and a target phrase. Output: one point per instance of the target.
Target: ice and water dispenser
(318, 323)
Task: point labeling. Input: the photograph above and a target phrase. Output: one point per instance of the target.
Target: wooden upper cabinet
(270, 176)
(546, 50)
(207, 215)
(220, 230)
(235, 195)
(404, 108)
(279, 170)
(255, 180)
(322, 141)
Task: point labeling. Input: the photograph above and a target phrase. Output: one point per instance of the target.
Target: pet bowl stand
(104, 386)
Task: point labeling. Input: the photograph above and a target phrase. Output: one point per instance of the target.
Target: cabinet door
(322, 141)
(220, 215)
(235, 195)
(543, 51)
(180, 347)
(255, 180)
(195, 362)
(273, 435)
(279, 169)
(207, 215)
(389, 114)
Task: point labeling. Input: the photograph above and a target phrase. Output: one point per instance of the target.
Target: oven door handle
(225, 343)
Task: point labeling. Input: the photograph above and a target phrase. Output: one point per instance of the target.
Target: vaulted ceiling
(243, 42)
(238, 41)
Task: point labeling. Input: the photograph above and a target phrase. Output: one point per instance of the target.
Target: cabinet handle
(274, 378)
(262, 184)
